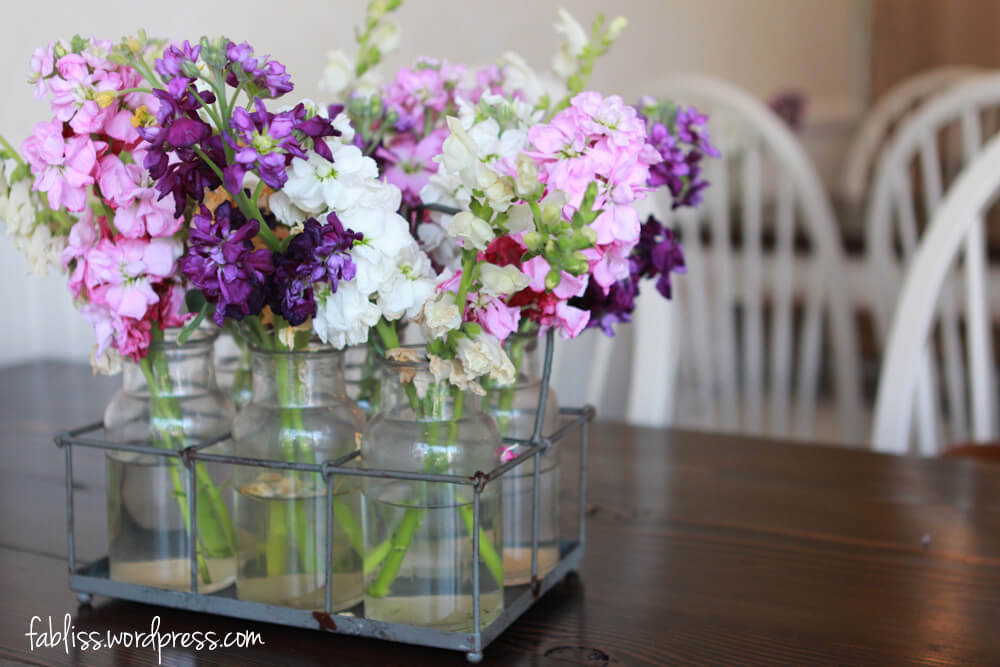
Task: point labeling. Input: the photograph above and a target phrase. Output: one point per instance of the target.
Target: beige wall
(817, 46)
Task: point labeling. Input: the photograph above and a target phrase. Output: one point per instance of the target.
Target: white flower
(435, 242)
(520, 219)
(500, 280)
(18, 213)
(317, 185)
(409, 286)
(338, 74)
(473, 230)
(107, 363)
(518, 76)
(484, 355)
(385, 37)
(41, 249)
(526, 184)
(440, 315)
(285, 211)
(344, 317)
(342, 123)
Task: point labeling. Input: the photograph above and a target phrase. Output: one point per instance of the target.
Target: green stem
(163, 440)
(17, 156)
(412, 517)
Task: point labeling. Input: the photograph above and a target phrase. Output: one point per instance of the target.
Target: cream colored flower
(473, 230)
(501, 280)
(440, 315)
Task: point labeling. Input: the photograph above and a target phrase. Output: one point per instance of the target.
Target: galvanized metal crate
(93, 578)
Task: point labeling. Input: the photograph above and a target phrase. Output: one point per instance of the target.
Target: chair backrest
(727, 359)
(907, 389)
(913, 172)
(887, 115)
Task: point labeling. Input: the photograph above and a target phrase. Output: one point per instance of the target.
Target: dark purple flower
(656, 255)
(318, 255)
(223, 263)
(312, 131)
(177, 131)
(264, 74)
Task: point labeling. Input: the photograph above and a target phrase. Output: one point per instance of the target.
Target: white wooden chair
(912, 175)
(954, 241)
(926, 145)
(887, 115)
(695, 337)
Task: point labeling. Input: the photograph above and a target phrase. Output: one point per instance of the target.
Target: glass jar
(170, 400)
(362, 372)
(232, 368)
(514, 408)
(299, 412)
(418, 535)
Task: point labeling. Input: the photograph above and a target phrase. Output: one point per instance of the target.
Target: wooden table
(703, 549)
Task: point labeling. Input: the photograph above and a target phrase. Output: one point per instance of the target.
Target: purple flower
(319, 255)
(222, 261)
(269, 75)
(656, 255)
(691, 130)
(171, 65)
(681, 144)
(264, 141)
(311, 131)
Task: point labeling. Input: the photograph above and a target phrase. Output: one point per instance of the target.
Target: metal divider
(94, 578)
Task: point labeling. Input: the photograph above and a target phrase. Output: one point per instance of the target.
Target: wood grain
(703, 549)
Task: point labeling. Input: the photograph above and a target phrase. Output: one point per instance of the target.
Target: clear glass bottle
(362, 372)
(418, 535)
(170, 400)
(514, 408)
(299, 412)
(232, 368)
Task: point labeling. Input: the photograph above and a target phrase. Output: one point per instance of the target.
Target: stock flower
(440, 315)
(265, 74)
(63, 168)
(409, 163)
(262, 141)
(565, 62)
(344, 317)
(223, 263)
(472, 230)
(120, 274)
(498, 281)
(319, 254)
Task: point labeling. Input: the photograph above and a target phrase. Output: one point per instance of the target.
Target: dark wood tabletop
(702, 549)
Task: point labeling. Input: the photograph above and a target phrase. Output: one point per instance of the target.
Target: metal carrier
(93, 578)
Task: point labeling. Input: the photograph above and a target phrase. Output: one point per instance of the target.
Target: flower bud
(534, 241)
(526, 184)
(552, 279)
(616, 28)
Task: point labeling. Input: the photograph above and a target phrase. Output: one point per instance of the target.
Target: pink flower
(496, 317)
(411, 163)
(82, 237)
(609, 264)
(118, 181)
(40, 68)
(147, 215)
(570, 321)
(63, 168)
(569, 285)
(121, 274)
(169, 309)
(617, 223)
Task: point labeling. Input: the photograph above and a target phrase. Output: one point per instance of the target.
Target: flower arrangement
(176, 185)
